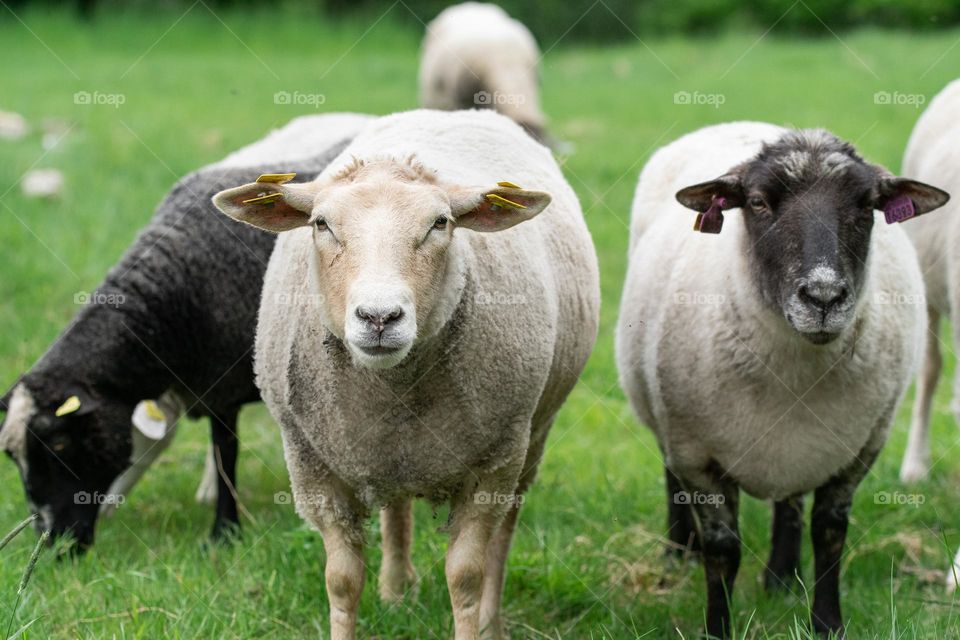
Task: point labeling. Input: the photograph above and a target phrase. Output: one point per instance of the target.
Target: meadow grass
(587, 561)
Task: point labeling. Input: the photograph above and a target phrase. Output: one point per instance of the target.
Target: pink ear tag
(899, 209)
(711, 220)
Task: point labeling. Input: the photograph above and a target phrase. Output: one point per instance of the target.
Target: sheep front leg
(787, 537)
(397, 574)
(716, 507)
(681, 528)
(495, 570)
(916, 459)
(475, 517)
(344, 577)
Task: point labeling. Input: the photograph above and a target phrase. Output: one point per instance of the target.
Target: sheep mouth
(820, 337)
(379, 350)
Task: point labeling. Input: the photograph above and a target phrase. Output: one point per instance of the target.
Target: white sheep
(475, 56)
(932, 155)
(426, 345)
(770, 357)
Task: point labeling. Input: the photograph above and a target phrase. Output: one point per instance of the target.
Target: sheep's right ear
(269, 206)
(699, 197)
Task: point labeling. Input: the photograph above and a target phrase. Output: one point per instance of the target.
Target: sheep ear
(924, 197)
(496, 209)
(699, 197)
(76, 402)
(268, 205)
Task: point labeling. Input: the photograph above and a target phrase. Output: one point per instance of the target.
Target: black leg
(784, 563)
(681, 528)
(717, 509)
(223, 430)
(828, 528)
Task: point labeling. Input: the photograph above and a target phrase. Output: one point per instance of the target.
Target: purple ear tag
(899, 209)
(711, 220)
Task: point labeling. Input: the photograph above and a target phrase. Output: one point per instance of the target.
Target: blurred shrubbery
(606, 20)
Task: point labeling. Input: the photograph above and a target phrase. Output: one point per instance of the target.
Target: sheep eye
(321, 225)
(757, 203)
(441, 222)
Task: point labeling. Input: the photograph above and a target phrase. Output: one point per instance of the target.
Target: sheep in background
(932, 156)
(764, 358)
(475, 56)
(174, 320)
(439, 348)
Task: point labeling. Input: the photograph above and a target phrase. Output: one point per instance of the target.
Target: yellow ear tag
(277, 178)
(503, 202)
(153, 411)
(509, 185)
(69, 406)
(270, 198)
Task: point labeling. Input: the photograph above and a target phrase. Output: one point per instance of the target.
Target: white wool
(301, 138)
(933, 156)
(730, 381)
(478, 45)
(549, 260)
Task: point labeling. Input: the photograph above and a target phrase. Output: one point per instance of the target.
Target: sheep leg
(344, 578)
(681, 528)
(916, 459)
(475, 517)
(495, 572)
(828, 529)
(397, 574)
(223, 428)
(716, 506)
(784, 564)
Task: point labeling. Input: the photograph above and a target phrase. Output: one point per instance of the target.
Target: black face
(808, 202)
(68, 462)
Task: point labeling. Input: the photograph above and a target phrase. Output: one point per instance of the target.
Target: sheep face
(382, 232)
(68, 451)
(808, 203)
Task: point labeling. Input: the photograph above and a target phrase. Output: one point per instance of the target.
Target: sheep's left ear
(495, 209)
(76, 402)
(899, 193)
(271, 206)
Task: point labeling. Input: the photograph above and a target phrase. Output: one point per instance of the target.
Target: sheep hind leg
(783, 566)
(223, 426)
(681, 528)
(916, 459)
(397, 575)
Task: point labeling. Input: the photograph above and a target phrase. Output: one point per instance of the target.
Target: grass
(587, 559)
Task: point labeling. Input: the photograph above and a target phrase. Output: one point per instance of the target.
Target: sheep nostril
(380, 319)
(823, 295)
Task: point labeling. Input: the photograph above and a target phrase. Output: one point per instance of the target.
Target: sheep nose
(823, 294)
(381, 318)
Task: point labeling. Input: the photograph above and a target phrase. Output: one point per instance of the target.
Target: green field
(587, 560)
